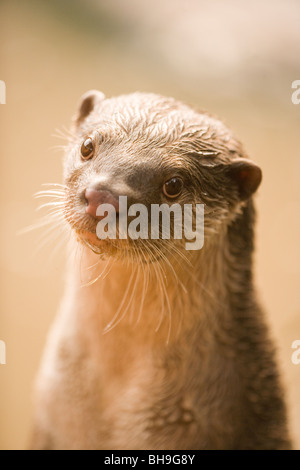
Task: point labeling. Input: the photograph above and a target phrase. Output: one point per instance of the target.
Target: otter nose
(95, 197)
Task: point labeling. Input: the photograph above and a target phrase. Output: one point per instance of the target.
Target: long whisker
(50, 193)
(62, 236)
(44, 221)
(117, 317)
(51, 235)
(168, 306)
(145, 286)
(51, 204)
(101, 276)
(65, 134)
(64, 186)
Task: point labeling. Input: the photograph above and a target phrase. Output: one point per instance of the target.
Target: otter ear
(246, 175)
(87, 103)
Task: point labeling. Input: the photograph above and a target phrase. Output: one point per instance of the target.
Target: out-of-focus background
(237, 59)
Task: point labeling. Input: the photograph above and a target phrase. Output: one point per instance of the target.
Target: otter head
(149, 150)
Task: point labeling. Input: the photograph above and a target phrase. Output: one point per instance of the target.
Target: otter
(156, 346)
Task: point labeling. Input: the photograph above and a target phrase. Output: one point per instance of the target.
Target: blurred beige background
(236, 59)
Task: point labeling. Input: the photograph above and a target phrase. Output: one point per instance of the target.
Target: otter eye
(173, 187)
(87, 149)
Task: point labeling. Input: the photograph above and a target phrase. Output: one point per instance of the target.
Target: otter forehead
(143, 121)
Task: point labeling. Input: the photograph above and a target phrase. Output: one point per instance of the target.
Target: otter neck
(158, 303)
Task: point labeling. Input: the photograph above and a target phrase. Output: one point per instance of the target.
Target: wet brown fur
(187, 363)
